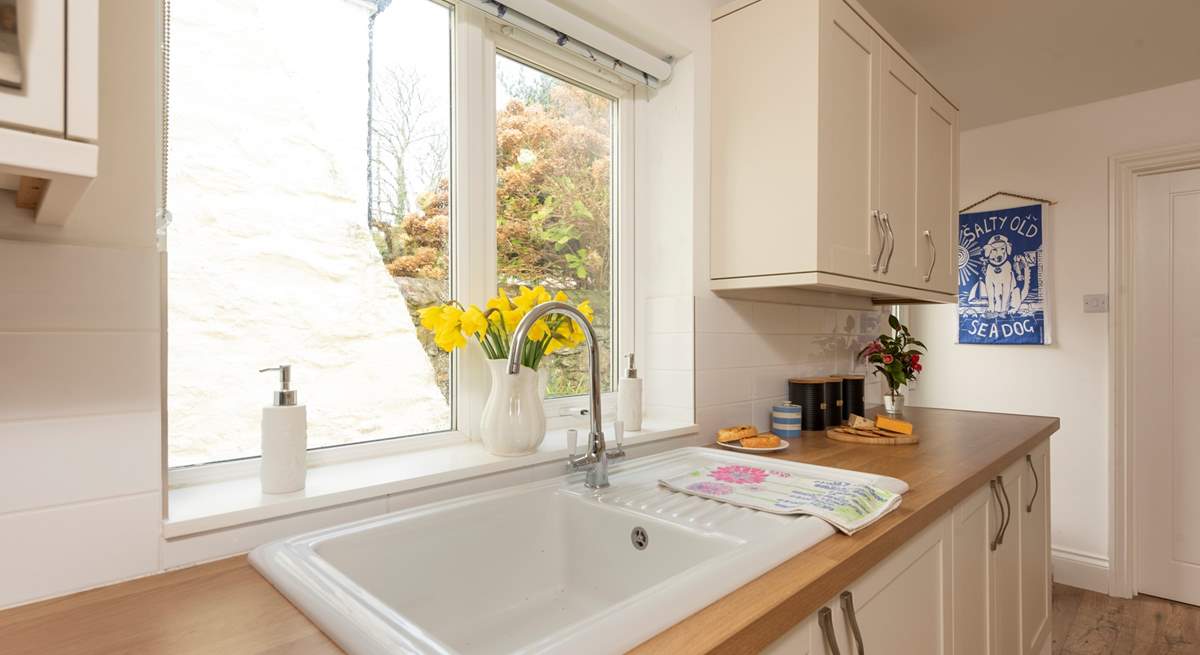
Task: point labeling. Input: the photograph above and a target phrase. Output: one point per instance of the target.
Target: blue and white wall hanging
(1002, 277)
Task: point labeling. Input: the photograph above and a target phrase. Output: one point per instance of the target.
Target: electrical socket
(1095, 303)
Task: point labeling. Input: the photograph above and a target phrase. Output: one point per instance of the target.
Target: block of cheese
(859, 422)
(893, 424)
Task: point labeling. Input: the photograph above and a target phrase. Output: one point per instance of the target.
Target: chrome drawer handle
(825, 620)
(932, 262)
(1000, 504)
(1007, 509)
(848, 610)
(1036, 484)
(882, 239)
(891, 240)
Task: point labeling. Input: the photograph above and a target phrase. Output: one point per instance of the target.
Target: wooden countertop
(226, 607)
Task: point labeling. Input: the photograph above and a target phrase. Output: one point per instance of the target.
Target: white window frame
(477, 39)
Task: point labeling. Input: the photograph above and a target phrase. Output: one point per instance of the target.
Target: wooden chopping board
(873, 436)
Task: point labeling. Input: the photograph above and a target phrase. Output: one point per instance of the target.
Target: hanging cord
(1010, 195)
(162, 217)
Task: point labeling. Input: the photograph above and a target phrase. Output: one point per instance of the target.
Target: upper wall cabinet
(834, 161)
(49, 107)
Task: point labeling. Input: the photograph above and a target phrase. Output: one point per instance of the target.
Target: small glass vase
(514, 418)
(893, 402)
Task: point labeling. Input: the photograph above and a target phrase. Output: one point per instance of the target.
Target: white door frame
(1123, 172)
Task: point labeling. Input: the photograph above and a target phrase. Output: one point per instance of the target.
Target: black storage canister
(809, 393)
(833, 402)
(853, 396)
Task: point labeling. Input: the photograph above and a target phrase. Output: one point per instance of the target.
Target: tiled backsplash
(746, 351)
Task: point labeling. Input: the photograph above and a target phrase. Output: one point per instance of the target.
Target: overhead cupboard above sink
(49, 109)
(834, 160)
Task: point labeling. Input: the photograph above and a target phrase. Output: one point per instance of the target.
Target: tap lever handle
(572, 441)
(619, 433)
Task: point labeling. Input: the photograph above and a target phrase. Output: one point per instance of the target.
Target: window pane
(554, 160)
(310, 217)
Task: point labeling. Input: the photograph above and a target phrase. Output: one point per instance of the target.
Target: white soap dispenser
(284, 438)
(629, 397)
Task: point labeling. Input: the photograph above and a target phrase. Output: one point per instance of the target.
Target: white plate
(735, 446)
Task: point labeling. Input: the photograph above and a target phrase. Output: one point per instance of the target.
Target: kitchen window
(333, 168)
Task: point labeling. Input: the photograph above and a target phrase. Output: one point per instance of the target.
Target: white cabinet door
(38, 104)
(899, 109)
(903, 605)
(83, 70)
(1006, 564)
(937, 192)
(849, 86)
(975, 525)
(1034, 513)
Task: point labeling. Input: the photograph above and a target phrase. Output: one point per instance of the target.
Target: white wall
(1061, 155)
(80, 500)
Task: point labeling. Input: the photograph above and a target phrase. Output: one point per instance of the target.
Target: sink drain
(639, 538)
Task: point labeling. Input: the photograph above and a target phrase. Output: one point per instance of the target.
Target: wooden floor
(1088, 623)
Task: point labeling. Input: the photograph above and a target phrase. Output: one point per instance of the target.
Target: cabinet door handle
(887, 222)
(1007, 508)
(933, 249)
(1000, 504)
(1036, 484)
(848, 610)
(825, 620)
(883, 239)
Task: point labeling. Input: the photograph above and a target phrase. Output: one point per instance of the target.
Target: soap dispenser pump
(284, 438)
(629, 396)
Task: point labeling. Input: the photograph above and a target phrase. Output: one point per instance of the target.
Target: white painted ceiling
(999, 60)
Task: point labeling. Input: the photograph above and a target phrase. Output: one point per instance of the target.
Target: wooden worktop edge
(739, 623)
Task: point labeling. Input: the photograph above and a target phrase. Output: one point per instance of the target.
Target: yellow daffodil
(528, 298)
(431, 317)
(512, 319)
(448, 340)
(500, 301)
(539, 330)
(585, 308)
(473, 321)
(561, 297)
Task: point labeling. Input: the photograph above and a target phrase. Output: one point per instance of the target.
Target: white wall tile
(53, 551)
(724, 386)
(674, 388)
(54, 462)
(64, 287)
(70, 374)
(716, 314)
(223, 543)
(772, 381)
(670, 352)
(669, 314)
(712, 418)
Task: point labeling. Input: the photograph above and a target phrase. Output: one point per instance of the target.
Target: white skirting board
(1077, 569)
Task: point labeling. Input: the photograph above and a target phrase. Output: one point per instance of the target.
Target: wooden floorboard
(1089, 623)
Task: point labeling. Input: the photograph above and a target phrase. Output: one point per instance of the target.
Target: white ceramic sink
(543, 567)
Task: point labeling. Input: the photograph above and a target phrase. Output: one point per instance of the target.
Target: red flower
(917, 367)
(916, 358)
(888, 359)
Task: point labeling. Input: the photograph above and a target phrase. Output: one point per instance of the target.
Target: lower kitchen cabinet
(976, 582)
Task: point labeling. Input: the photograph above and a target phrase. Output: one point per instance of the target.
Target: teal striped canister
(785, 420)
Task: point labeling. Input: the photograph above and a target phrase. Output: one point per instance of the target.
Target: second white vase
(514, 419)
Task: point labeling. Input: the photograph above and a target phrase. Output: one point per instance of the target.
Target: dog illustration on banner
(1006, 280)
(1000, 275)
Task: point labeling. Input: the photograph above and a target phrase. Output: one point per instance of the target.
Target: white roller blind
(556, 25)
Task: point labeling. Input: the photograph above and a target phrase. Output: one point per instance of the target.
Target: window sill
(219, 504)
